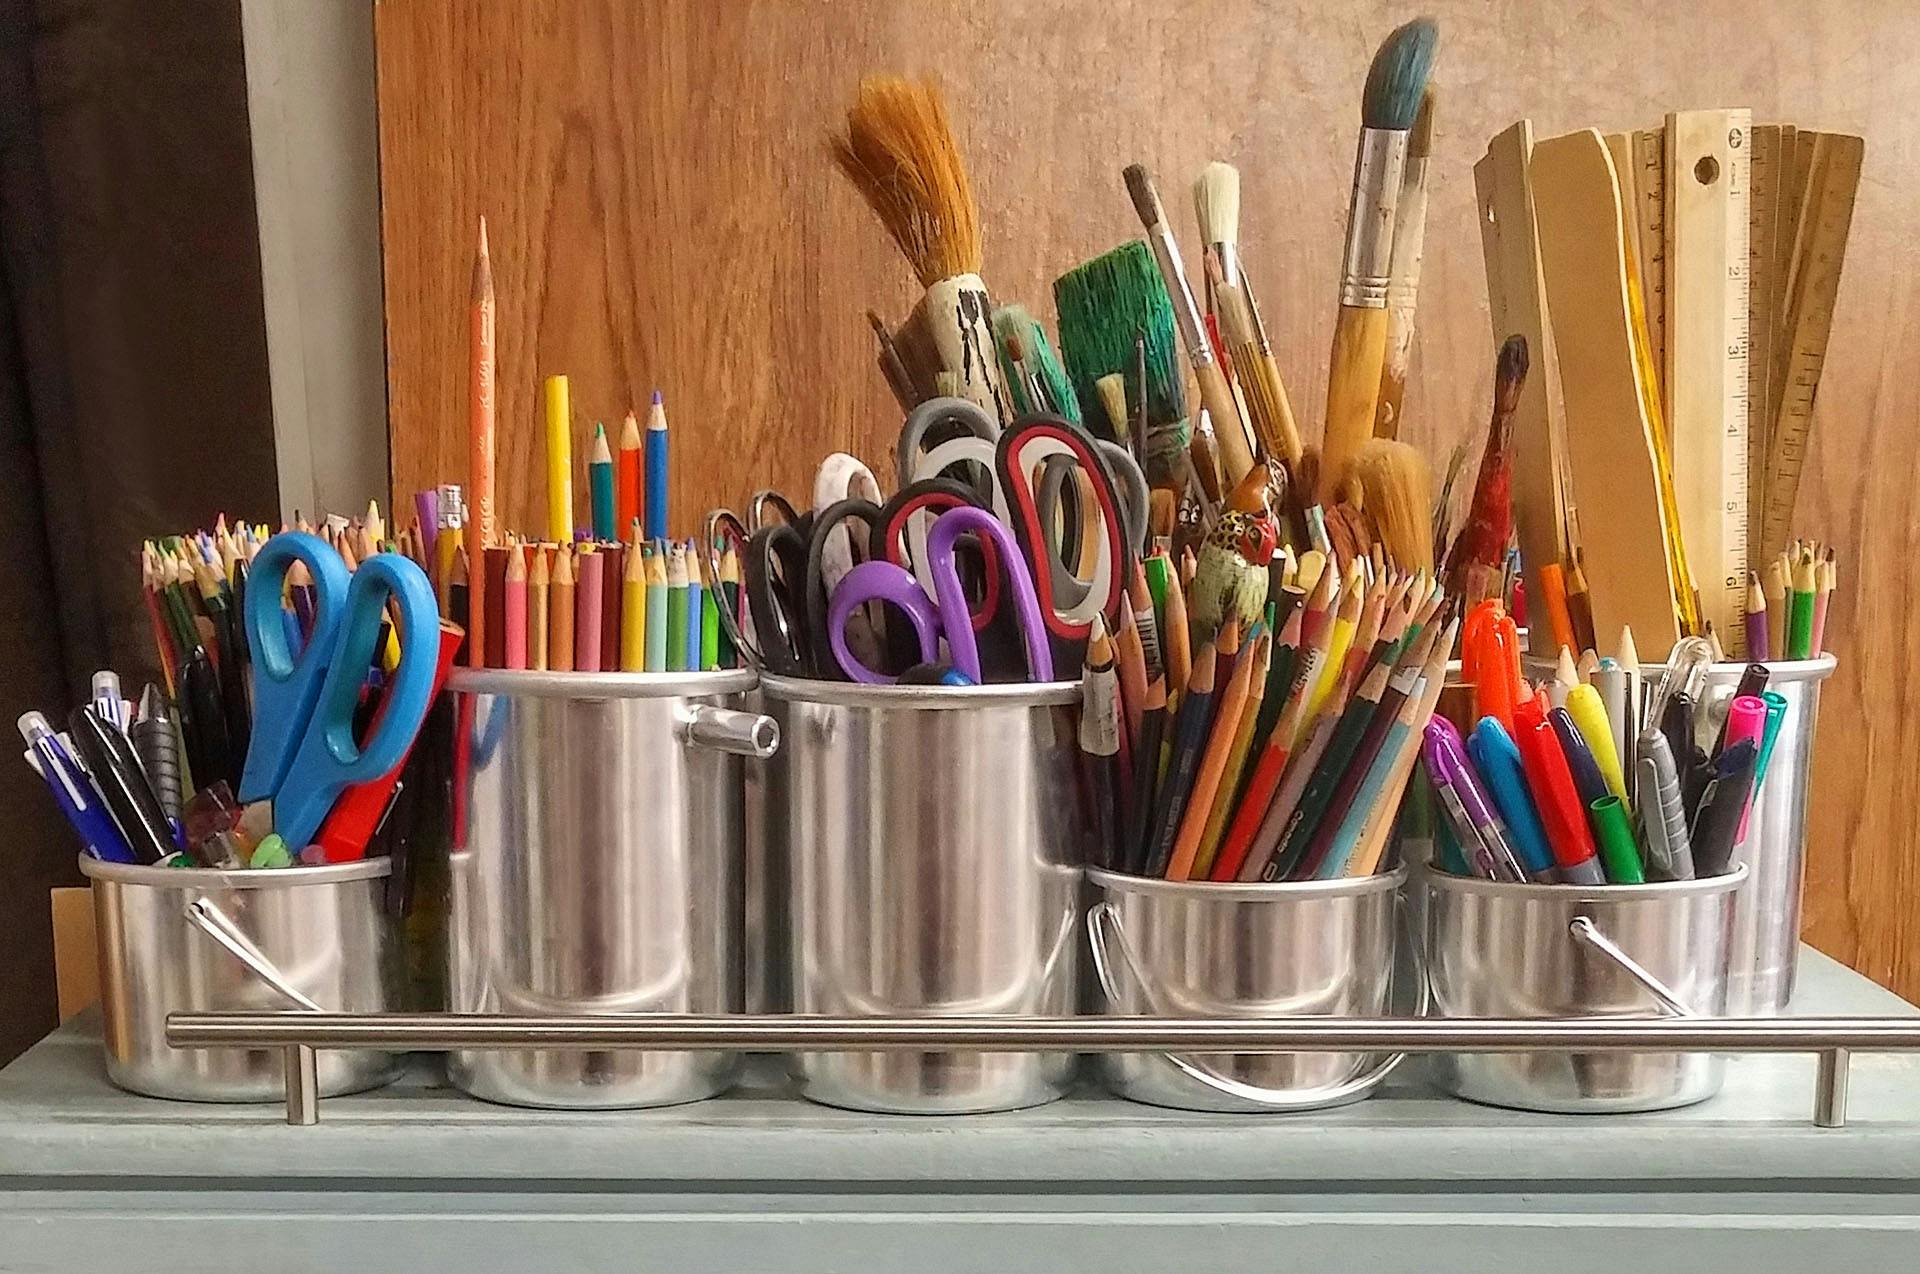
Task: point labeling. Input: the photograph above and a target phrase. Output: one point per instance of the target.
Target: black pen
(123, 787)
(1716, 819)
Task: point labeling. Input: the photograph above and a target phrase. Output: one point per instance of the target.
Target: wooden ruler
(1708, 210)
(1763, 326)
(1582, 232)
(1518, 305)
(1831, 184)
(1649, 216)
(1788, 184)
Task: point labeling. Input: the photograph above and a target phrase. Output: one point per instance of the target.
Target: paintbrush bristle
(1146, 200)
(1420, 141)
(1397, 495)
(1216, 203)
(1112, 389)
(1104, 305)
(899, 151)
(1397, 79)
(1012, 328)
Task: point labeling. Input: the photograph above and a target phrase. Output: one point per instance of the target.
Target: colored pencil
(559, 461)
(589, 588)
(480, 436)
(514, 609)
(1189, 740)
(676, 612)
(600, 482)
(560, 603)
(633, 612)
(696, 605)
(1227, 790)
(1213, 761)
(538, 587)
(627, 478)
(657, 617)
(654, 499)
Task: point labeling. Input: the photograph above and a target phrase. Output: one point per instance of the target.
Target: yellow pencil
(633, 613)
(1346, 621)
(559, 462)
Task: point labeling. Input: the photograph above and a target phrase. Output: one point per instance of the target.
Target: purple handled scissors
(946, 613)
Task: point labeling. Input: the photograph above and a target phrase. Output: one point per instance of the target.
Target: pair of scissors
(947, 613)
(303, 753)
(786, 584)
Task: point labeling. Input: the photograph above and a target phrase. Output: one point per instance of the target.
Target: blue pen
(71, 792)
(1497, 758)
(655, 498)
(694, 602)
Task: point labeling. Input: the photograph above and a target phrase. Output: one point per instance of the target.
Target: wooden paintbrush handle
(1353, 390)
(1236, 451)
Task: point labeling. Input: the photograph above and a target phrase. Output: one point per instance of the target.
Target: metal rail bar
(299, 1034)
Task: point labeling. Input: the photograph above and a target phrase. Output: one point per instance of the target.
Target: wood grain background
(663, 213)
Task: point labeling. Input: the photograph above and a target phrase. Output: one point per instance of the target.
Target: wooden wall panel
(663, 213)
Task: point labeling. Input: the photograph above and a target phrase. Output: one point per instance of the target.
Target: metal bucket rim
(547, 684)
(156, 876)
(1779, 671)
(1250, 890)
(1019, 694)
(1725, 882)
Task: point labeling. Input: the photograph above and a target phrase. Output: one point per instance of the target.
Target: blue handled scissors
(303, 753)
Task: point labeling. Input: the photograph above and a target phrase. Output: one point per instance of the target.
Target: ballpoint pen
(1663, 813)
(71, 791)
(1722, 807)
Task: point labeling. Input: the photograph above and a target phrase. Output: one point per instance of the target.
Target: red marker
(1550, 779)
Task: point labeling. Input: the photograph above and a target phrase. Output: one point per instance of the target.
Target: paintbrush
(1403, 280)
(1115, 317)
(899, 152)
(1388, 108)
(1473, 568)
(1216, 205)
(1396, 491)
(1236, 448)
(1035, 380)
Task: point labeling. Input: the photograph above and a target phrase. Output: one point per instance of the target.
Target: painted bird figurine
(1231, 579)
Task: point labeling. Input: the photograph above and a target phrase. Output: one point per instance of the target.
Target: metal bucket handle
(1101, 914)
(219, 926)
(1586, 933)
(727, 730)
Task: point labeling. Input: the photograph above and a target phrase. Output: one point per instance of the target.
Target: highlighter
(1588, 710)
(1497, 759)
(1561, 809)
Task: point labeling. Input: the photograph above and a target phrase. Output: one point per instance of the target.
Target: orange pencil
(560, 612)
(1553, 600)
(626, 478)
(1213, 762)
(538, 620)
(480, 434)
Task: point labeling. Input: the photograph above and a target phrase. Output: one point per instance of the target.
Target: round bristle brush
(899, 152)
(1396, 81)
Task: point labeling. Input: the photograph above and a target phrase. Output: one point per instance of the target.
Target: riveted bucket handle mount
(1102, 920)
(726, 730)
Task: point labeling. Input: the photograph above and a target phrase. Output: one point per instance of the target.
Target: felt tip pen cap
(1746, 719)
(1619, 852)
(1496, 758)
(1587, 778)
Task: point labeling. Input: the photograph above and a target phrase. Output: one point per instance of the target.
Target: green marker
(1613, 836)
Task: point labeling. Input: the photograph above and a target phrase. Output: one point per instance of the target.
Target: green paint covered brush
(1105, 305)
(1032, 370)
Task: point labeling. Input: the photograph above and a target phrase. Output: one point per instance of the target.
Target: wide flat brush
(899, 151)
(1396, 82)
(1236, 448)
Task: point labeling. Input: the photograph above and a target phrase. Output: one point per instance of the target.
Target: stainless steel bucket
(1496, 949)
(1307, 948)
(1766, 913)
(927, 841)
(601, 873)
(181, 940)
